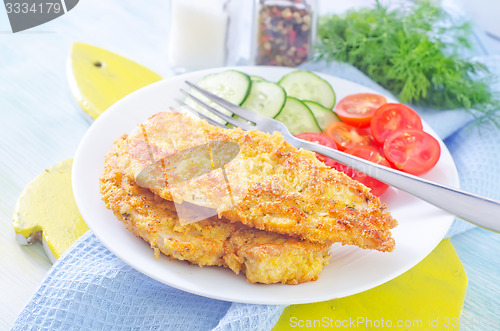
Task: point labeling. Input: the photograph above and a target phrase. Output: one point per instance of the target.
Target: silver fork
(476, 209)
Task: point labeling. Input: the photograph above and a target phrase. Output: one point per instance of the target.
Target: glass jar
(284, 31)
(198, 34)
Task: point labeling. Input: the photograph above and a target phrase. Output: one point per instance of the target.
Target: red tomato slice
(392, 117)
(412, 150)
(318, 138)
(322, 139)
(371, 154)
(347, 136)
(358, 109)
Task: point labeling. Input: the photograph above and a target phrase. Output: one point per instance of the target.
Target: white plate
(351, 270)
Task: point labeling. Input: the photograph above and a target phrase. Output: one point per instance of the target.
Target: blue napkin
(89, 288)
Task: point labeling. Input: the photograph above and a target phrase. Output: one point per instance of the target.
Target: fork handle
(476, 209)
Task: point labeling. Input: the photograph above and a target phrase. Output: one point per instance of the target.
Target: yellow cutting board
(46, 212)
(98, 78)
(429, 296)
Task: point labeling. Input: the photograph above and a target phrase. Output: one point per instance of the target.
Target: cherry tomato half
(347, 136)
(319, 138)
(371, 154)
(357, 109)
(322, 139)
(391, 117)
(412, 150)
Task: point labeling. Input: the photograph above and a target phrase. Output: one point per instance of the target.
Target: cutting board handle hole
(98, 64)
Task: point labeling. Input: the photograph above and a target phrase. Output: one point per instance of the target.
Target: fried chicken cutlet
(264, 257)
(270, 185)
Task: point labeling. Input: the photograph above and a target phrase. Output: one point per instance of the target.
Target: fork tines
(245, 119)
(237, 110)
(201, 115)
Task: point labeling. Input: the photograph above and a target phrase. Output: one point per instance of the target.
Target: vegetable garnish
(363, 124)
(369, 153)
(394, 138)
(391, 117)
(358, 109)
(405, 51)
(412, 150)
(347, 136)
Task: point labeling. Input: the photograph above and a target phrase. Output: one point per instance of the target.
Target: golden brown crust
(273, 185)
(264, 257)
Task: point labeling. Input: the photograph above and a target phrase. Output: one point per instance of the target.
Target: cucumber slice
(230, 85)
(324, 116)
(256, 78)
(297, 117)
(265, 98)
(306, 85)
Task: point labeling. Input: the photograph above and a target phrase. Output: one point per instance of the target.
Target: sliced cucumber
(297, 117)
(324, 116)
(306, 85)
(230, 85)
(265, 98)
(256, 78)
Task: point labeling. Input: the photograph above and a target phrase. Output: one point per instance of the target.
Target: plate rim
(77, 171)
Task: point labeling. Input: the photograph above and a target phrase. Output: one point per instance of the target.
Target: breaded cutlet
(264, 257)
(270, 185)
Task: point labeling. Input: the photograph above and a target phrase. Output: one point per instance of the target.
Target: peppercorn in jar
(284, 31)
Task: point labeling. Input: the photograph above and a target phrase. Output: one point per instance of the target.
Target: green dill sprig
(413, 52)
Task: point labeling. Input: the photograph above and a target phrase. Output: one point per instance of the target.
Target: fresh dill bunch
(413, 52)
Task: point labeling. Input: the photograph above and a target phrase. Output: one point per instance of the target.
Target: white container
(198, 34)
